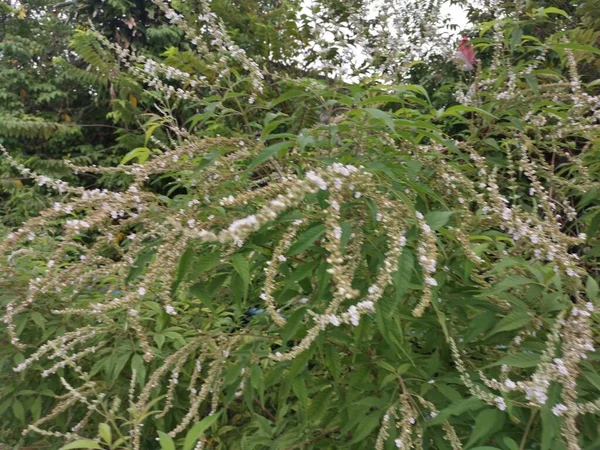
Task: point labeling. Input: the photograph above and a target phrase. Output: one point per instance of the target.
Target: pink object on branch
(464, 57)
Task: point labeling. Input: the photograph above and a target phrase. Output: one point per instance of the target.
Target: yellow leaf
(18, 183)
(67, 118)
(22, 13)
(22, 93)
(119, 237)
(133, 100)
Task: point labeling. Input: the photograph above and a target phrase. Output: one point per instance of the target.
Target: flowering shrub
(297, 264)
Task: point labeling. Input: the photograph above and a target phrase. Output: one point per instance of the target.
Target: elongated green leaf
(141, 153)
(82, 443)
(511, 322)
(457, 110)
(166, 442)
(241, 266)
(575, 46)
(384, 116)
(270, 151)
(437, 219)
(198, 430)
(306, 239)
(105, 433)
(294, 93)
(485, 422)
(554, 10)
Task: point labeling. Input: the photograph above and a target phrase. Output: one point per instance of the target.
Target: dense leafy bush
(298, 263)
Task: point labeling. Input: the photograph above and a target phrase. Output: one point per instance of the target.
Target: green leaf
(166, 441)
(437, 219)
(384, 116)
(510, 443)
(306, 239)
(205, 262)
(485, 447)
(105, 433)
(519, 360)
(82, 443)
(257, 380)
(185, 261)
(458, 109)
(270, 151)
(198, 430)
(294, 93)
(485, 422)
(574, 46)
(507, 283)
(365, 427)
(554, 10)
(299, 388)
(513, 321)
(241, 266)
(591, 288)
(141, 153)
(18, 411)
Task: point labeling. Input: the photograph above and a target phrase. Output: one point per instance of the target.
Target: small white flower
(559, 409)
(510, 384)
(500, 403)
(572, 273)
(141, 291)
(399, 443)
(337, 232)
(170, 310)
(282, 258)
(430, 281)
(333, 320)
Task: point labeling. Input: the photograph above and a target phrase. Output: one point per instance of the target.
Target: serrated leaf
(299, 388)
(519, 360)
(241, 266)
(365, 427)
(513, 321)
(306, 239)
